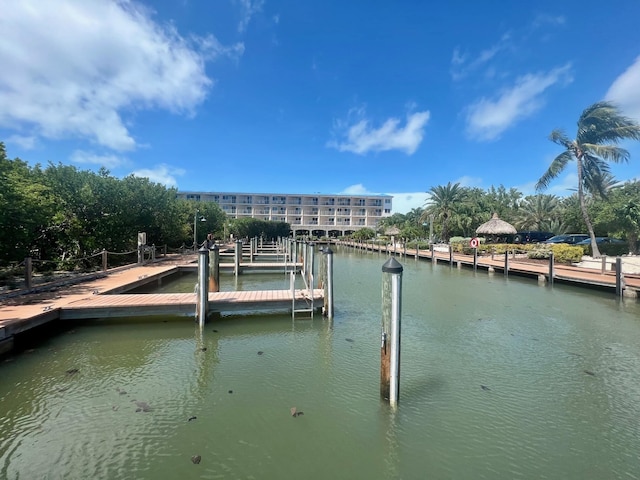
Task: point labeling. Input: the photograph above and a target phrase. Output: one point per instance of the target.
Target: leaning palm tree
(443, 203)
(600, 127)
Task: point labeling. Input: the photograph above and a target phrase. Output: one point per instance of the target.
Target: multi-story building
(317, 215)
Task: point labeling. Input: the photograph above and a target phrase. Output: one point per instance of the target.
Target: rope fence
(34, 273)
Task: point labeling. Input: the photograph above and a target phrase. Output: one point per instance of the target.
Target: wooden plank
(126, 305)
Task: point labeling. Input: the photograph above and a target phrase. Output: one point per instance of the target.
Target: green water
(541, 414)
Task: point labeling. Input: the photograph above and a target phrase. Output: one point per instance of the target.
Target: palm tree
(600, 127)
(443, 203)
(536, 210)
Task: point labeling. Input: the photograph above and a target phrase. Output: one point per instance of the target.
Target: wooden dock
(519, 266)
(106, 297)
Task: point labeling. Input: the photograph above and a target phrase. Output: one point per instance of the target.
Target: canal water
(500, 379)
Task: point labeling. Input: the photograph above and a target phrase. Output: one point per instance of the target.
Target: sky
(332, 97)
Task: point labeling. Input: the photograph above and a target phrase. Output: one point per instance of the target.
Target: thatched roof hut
(392, 231)
(495, 226)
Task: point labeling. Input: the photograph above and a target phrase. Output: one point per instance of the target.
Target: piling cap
(328, 250)
(203, 250)
(392, 266)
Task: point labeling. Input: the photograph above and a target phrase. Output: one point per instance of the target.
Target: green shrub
(562, 252)
(608, 249)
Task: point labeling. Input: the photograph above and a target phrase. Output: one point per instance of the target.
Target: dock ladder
(307, 295)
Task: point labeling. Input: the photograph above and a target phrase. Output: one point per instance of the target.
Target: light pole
(195, 229)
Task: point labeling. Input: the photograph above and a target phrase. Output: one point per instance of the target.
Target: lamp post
(195, 229)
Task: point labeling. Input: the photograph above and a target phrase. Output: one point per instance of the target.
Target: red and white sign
(474, 242)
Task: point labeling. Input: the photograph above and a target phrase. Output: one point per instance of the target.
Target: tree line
(456, 211)
(62, 214)
(601, 206)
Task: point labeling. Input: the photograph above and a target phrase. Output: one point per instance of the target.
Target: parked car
(570, 238)
(531, 237)
(603, 241)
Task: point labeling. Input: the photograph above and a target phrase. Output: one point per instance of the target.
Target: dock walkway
(105, 296)
(588, 277)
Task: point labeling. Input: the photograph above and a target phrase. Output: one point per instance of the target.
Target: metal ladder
(307, 295)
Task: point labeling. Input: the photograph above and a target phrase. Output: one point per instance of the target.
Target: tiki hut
(496, 228)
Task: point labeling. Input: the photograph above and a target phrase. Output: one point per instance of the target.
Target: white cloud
(462, 64)
(77, 67)
(487, 118)
(107, 161)
(249, 9)
(468, 181)
(406, 201)
(545, 19)
(25, 142)
(162, 173)
(357, 189)
(625, 90)
(361, 138)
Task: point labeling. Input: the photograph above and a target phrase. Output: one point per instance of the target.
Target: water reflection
(540, 415)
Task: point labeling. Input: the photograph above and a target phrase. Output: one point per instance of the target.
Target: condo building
(316, 215)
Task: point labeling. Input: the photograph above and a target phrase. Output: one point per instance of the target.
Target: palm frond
(611, 153)
(557, 166)
(560, 137)
(602, 122)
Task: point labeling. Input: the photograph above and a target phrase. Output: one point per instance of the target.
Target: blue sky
(328, 96)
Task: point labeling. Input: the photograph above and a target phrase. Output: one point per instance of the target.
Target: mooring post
(328, 284)
(311, 262)
(304, 257)
(603, 268)
(28, 272)
(404, 248)
(417, 250)
(251, 248)
(619, 287)
(214, 269)
(203, 290)
(506, 263)
(475, 259)
(104, 259)
(238, 257)
(390, 343)
(552, 272)
(450, 255)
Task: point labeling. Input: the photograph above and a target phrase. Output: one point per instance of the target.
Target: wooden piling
(28, 272)
(237, 257)
(203, 286)
(214, 269)
(506, 263)
(619, 286)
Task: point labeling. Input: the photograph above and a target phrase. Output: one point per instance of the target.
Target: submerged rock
(142, 406)
(196, 459)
